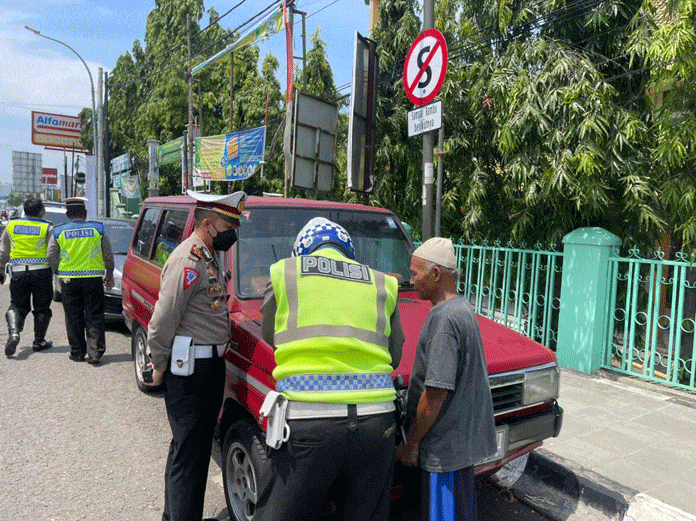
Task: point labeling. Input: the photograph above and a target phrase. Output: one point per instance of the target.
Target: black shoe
(93, 361)
(40, 346)
(11, 345)
(76, 358)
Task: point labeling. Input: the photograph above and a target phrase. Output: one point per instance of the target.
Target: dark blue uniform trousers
(193, 403)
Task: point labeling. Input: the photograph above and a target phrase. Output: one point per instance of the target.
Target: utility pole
(189, 143)
(231, 91)
(107, 162)
(100, 138)
(440, 166)
(428, 143)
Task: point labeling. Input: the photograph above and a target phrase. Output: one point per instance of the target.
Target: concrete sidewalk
(627, 450)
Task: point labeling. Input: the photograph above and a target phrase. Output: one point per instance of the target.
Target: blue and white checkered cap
(322, 232)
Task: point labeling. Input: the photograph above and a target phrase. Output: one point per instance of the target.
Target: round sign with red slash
(425, 67)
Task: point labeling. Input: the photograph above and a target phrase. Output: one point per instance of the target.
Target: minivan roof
(254, 200)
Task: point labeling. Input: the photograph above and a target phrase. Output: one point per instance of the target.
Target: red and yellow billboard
(55, 130)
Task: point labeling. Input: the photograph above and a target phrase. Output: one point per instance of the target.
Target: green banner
(170, 152)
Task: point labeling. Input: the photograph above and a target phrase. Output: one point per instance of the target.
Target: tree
(547, 123)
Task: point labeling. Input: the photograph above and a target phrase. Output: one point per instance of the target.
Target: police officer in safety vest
(335, 327)
(80, 253)
(23, 252)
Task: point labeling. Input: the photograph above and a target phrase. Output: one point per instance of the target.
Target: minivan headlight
(541, 386)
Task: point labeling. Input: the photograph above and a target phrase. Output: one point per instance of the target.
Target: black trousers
(31, 287)
(83, 302)
(193, 403)
(356, 453)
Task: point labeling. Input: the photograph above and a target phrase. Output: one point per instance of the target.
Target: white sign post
(425, 119)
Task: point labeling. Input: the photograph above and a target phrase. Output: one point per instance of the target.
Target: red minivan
(523, 375)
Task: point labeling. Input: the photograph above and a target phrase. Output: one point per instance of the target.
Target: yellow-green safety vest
(28, 241)
(80, 249)
(332, 328)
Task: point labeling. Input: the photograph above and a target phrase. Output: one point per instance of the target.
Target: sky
(42, 75)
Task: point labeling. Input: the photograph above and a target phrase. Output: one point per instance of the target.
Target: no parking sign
(425, 67)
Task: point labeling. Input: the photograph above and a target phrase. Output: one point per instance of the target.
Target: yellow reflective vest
(28, 241)
(80, 249)
(332, 328)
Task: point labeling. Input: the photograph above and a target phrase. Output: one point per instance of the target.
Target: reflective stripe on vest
(335, 382)
(28, 241)
(80, 249)
(293, 332)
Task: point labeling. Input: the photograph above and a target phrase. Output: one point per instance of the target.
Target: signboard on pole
(49, 176)
(362, 116)
(425, 67)
(55, 130)
(425, 119)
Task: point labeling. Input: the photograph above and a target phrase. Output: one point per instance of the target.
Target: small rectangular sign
(425, 119)
(55, 130)
(49, 176)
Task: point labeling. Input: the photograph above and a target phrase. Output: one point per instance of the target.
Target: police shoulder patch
(190, 276)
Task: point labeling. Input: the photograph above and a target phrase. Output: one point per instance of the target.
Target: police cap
(229, 206)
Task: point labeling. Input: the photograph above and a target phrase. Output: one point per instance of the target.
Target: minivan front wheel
(243, 460)
(140, 359)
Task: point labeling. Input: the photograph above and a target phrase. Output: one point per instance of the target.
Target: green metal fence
(651, 315)
(514, 286)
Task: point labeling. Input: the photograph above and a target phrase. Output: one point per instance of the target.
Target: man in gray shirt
(449, 407)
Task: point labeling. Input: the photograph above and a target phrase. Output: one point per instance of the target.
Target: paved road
(79, 442)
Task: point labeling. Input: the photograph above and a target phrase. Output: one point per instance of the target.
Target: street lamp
(91, 81)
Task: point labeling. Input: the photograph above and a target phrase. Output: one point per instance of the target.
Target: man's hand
(408, 454)
(109, 282)
(157, 377)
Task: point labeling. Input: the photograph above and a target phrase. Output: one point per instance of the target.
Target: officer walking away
(337, 335)
(23, 244)
(192, 310)
(449, 406)
(80, 253)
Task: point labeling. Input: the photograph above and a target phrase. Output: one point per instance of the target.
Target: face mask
(223, 241)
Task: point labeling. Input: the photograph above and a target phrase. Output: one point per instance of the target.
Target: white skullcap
(438, 250)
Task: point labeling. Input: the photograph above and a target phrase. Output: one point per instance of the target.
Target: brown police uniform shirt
(192, 302)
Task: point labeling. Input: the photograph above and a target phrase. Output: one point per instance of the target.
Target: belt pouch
(183, 356)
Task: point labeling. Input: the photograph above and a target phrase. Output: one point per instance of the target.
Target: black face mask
(223, 241)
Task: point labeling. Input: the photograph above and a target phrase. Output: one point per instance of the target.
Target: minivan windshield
(268, 233)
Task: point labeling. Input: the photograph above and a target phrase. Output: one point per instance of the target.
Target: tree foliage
(149, 92)
(552, 118)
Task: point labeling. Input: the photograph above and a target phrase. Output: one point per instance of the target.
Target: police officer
(337, 335)
(193, 303)
(80, 253)
(23, 244)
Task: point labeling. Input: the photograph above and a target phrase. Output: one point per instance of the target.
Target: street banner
(170, 152)
(130, 186)
(271, 24)
(55, 130)
(230, 157)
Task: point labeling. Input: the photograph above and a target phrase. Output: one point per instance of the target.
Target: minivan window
(146, 232)
(269, 233)
(170, 233)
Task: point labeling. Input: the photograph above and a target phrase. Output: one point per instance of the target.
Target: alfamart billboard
(230, 157)
(55, 130)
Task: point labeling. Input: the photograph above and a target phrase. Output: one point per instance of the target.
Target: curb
(564, 491)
